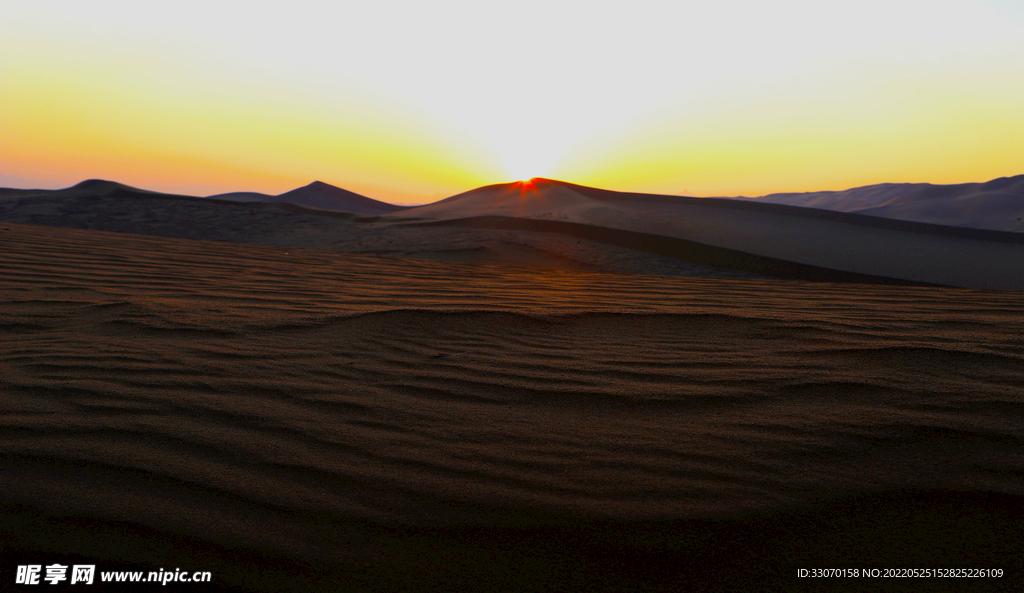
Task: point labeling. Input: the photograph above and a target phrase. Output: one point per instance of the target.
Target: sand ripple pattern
(272, 391)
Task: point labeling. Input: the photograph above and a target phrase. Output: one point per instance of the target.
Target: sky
(411, 102)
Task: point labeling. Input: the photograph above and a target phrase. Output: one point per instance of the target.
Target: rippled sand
(302, 420)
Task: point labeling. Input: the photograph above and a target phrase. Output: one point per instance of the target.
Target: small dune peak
(97, 185)
(99, 188)
(317, 188)
(320, 185)
(325, 196)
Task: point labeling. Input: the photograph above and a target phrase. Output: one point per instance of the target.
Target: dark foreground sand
(297, 420)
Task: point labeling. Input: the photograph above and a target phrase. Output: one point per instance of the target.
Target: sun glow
(527, 157)
(528, 185)
(612, 96)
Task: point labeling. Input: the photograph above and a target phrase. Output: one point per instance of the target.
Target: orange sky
(412, 102)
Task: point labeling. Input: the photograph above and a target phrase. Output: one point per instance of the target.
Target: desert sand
(549, 388)
(557, 225)
(318, 195)
(855, 244)
(300, 420)
(113, 207)
(994, 205)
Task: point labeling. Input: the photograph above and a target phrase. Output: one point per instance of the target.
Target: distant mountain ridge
(317, 195)
(993, 205)
(996, 205)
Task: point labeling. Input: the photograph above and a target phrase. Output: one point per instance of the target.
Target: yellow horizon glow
(410, 103)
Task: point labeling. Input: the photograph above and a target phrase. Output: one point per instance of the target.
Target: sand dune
(319, 195)
(305, 401)
(298, 420)
(289, 225)
(850, 243)
(994, 205)
(564, 226)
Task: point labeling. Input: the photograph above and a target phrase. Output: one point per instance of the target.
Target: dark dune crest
(101, 188)
(319, 195)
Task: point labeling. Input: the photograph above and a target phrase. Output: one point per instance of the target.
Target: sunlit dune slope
(853, 243)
